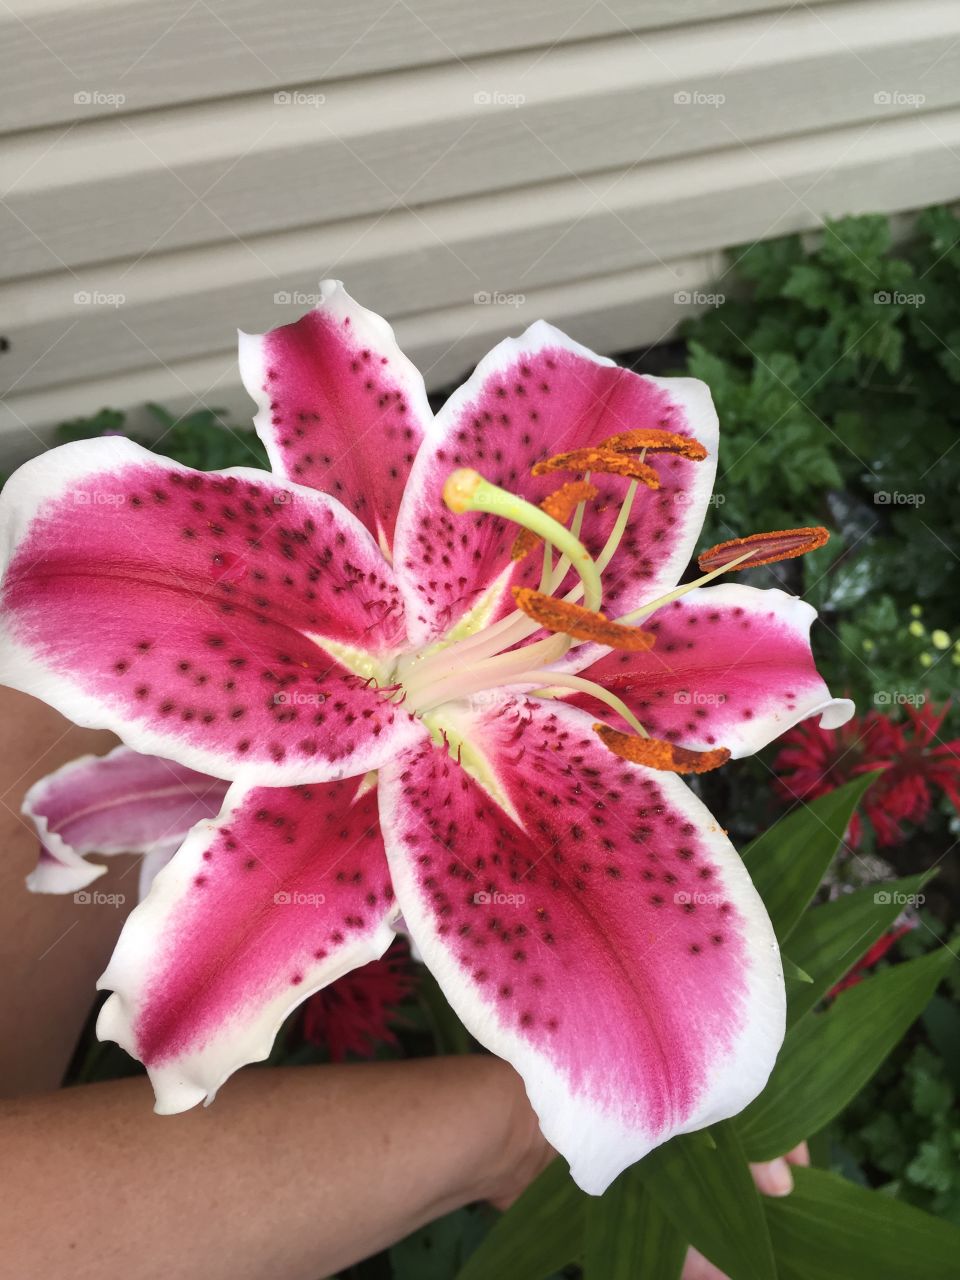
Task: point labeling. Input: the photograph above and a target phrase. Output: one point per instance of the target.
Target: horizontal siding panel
(197, 175)
(167, 308)
(164, 52)
(606, 313)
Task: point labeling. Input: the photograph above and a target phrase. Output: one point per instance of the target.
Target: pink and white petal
(122, 802)
(285, 891)
(340, 407)
(595, 928)
(187, 611)
(529, 398)
(731, 667)
(151, 864)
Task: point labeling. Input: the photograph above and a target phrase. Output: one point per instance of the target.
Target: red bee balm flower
(339, 640)
(869, 958)
(352, 1016)
(909, 752)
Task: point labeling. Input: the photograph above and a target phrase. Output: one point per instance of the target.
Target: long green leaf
(788, 860)
(628, 1235)
(710, 1198)
(537, 1236)
(830, 939)
(830, 1229)
(828, 1057)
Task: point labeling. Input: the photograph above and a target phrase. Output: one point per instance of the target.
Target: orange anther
(603, 461)
(579, 623)
(654, 440)
(654, 753)
(764, 548)
(560, 504)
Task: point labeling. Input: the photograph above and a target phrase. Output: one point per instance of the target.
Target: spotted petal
(118, 803)
(731, 666)
(340, 407)
(589, 922)
(284, 892)
(530, 398)
(186, 611)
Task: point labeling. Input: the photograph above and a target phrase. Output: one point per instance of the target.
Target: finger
(799, 1155)
(697, 1267)
(773, 1177)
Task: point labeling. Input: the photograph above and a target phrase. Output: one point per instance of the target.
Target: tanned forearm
(292, 1173)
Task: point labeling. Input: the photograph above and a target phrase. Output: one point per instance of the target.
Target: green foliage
(203, 439)
(904, 1130)
(788, 861)
(830, 1229)
(821, 384)
(629, 1234)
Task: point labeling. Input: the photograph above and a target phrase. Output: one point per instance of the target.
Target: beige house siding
(173, 170)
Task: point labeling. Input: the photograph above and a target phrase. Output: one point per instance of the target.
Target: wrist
(518, 1150)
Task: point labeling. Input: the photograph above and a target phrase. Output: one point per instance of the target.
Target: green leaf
(710, 1198)
(828, 1057)
(829, 940)
(449, 1033)
(792, 971)
(830, 1229)
(628, 1235)
(787, 861)
(439, 1248)
(538, 1235)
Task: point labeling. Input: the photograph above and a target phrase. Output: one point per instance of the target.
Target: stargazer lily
(445, 665)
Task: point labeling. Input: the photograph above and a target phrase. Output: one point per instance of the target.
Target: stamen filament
(467, 490)
(517, 626)
(652, 605)
(561, 679)
(484, 672)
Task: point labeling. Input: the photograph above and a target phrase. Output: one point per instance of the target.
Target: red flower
(909, 752)
(352, 1016)
(869, 959)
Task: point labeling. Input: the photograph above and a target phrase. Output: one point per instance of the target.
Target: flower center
(497, 656)
(477, 657)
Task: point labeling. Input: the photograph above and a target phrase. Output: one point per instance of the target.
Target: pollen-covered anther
(579, 623)
(763, 548)
(654, 753)
(655, 440)
(561, 505)
(601, 461)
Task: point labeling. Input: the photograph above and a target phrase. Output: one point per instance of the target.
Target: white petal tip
(836, 713)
